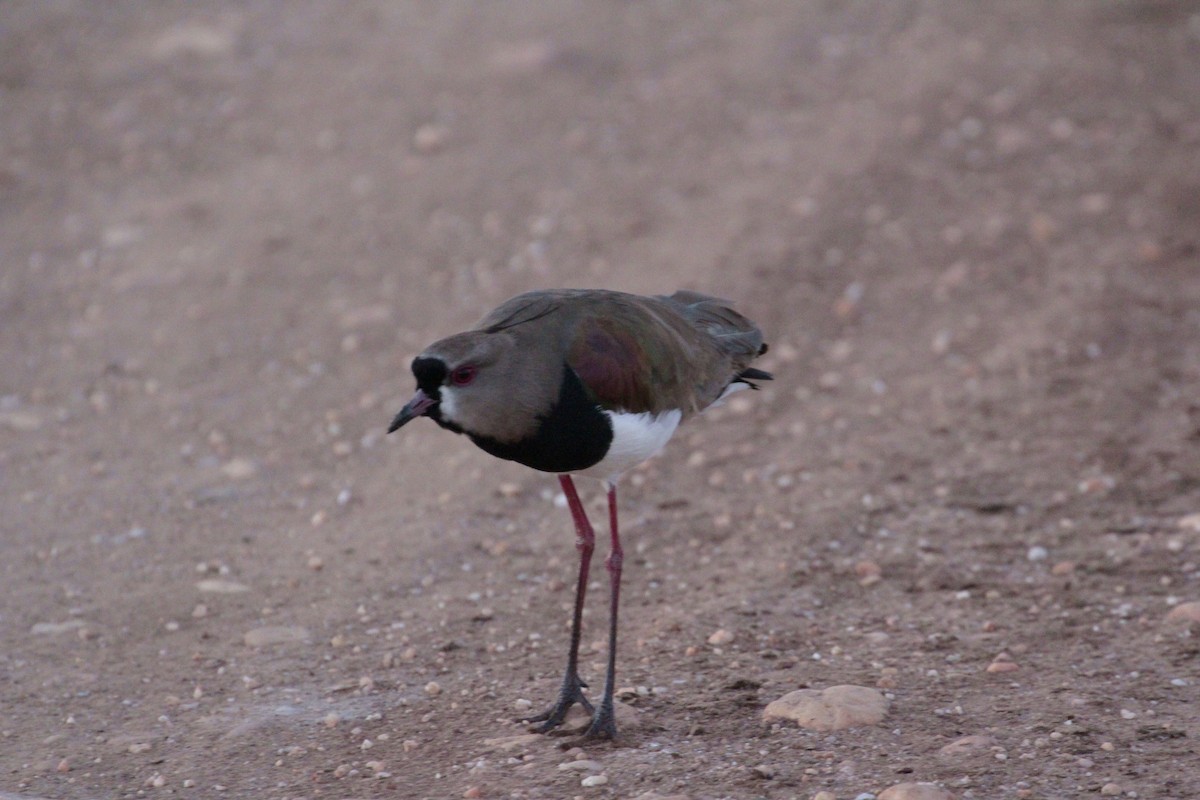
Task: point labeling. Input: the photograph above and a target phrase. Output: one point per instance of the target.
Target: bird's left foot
(602, 727)
(570, 694)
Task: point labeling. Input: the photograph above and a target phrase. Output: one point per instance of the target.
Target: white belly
(636, 437)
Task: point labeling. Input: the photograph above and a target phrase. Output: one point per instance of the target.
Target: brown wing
(613, 365)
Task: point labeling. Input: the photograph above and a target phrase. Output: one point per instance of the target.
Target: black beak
(417, 407)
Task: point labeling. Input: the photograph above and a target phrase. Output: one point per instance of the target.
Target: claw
(570, 694)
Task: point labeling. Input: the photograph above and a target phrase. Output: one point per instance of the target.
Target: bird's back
(637, 353)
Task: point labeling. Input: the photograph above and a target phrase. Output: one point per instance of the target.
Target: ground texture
(970, 230)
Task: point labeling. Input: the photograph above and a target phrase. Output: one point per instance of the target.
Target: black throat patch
(574, 435)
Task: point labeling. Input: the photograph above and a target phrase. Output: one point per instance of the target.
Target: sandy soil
(969, 229)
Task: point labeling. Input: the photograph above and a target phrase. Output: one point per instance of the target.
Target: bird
(588, 382)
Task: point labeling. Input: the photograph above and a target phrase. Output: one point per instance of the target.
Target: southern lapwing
(585, 382)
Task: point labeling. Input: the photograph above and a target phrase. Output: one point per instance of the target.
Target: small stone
(1110, 789)
(523, 57)
(1063, 568)
(193, 39)
(763, 771)
(239, 468)
(915, 791)
(472, 792)
(520, 741)
(832, 709)
(430, 138)
(1127, 714)
(200, 611)
(221, 586)
(1042, 228)
(823, 795)
(509, 490)
(275, 634)
(1095, 203)
(1003, 666)
(1037, 553)
(316, 563)
(593, 780)
(1191, 522)
(433, 689)
(720, 637)
(967, 745)
(63, 766)
(374, 766)
(20, 421)
(867, 569)
(409, 745)
(1185, 612)
(582, 766)
(55, 628)
(332, 719)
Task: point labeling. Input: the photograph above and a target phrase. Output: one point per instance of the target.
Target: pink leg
(572, 687)
(604, 725)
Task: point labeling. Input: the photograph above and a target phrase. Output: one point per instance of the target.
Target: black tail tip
(750, 373)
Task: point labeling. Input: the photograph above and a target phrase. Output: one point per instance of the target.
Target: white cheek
(449, 404)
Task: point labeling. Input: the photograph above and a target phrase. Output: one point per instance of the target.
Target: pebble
(221, 586)
(20, 420)
(1191, 522)
(1063, 568)
(473, 792)
(582, 766)
(521, 740)
(823, 795)
(593, 780)
(1185, 612)
(720, 637)
(191, 38)
(832, 709)
(1110, 789)
(275, 634)
(55, 628)
(430, 138)
(868, 572)
(524, 57)
(967, 745)
(1037, 553)
(239, 469)
(1003, 666)
(433, 689)
(915, 791)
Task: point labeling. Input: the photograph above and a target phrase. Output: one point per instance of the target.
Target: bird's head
(478, 383)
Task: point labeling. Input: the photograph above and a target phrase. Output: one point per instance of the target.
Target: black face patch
(430, 374)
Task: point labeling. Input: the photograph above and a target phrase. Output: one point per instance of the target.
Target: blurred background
(970, 231)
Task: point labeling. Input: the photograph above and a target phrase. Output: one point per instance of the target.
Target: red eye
(463, 375)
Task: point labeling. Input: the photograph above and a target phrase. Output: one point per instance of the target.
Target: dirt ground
(970, 230)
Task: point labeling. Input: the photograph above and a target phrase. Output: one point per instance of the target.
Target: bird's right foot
(570, 694)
